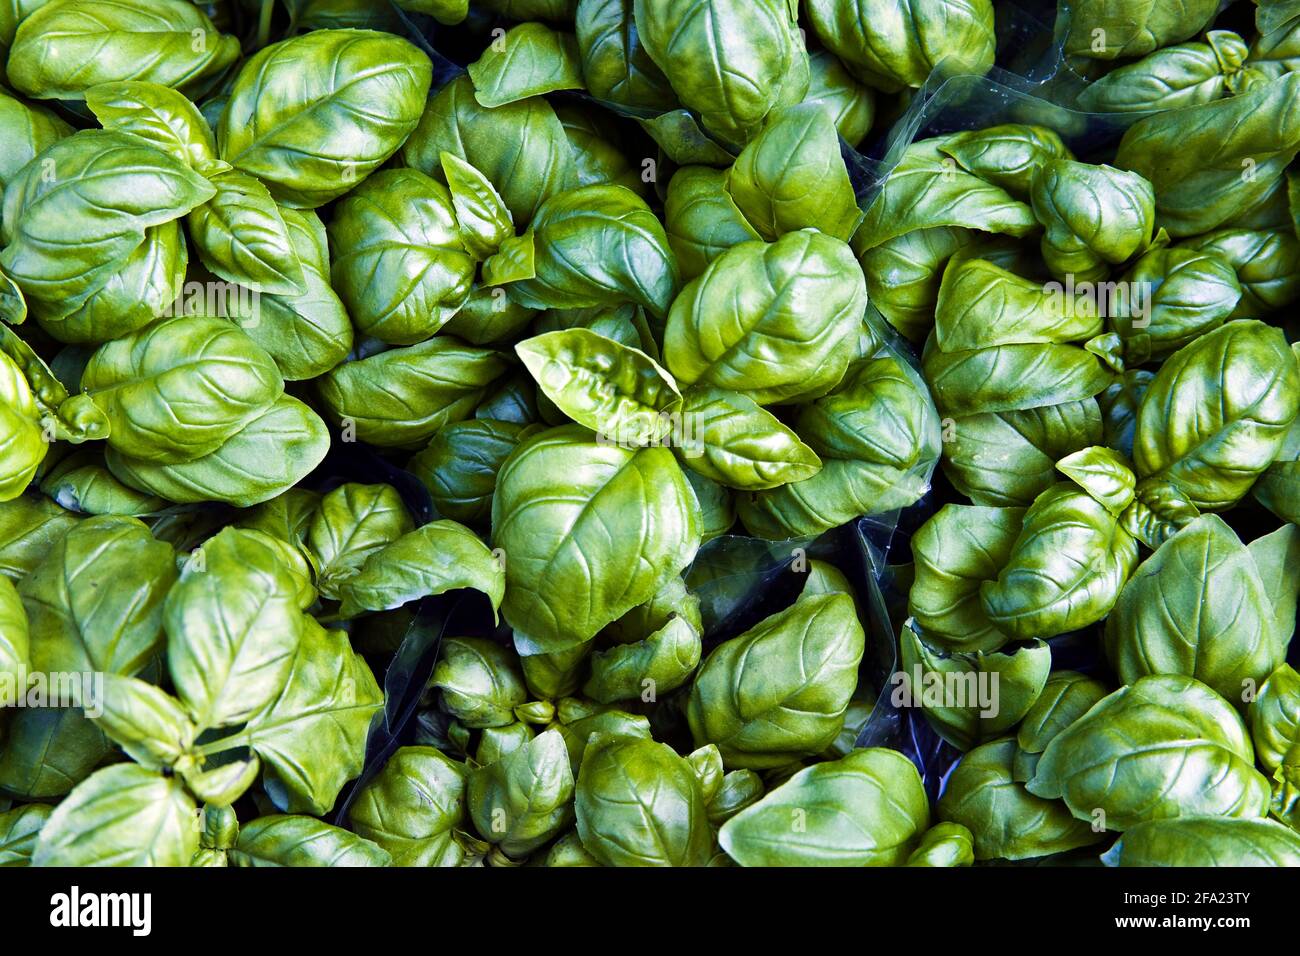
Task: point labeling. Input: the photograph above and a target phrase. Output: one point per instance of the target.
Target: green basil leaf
(306, 334)
(1101, 30)
(1119, 407)
(1008, 822)
(1007, 155)
(14, 642)
(1274, 717)
(878, 438)
(701, 219)
(903, 275)
(569, 851)
(1066, 568)
(157, 114)
(146, 722)
(1008, 378)
(520, 147)
(618, 392)
(1218, 412)
(28, 129)
(583, 731)
(30, 526)
(118, 183)
(1093, 217)
(402, 397)
(1277, 556)
(739, 789)
(21, 436)
(1102, 472)
(760, 711)
(679, 135)
(286, 516)
(525, 798)
(96, 600)
(639, 804)
(850, 105)
(982, 305)
(528, 60)
(367, 87)
(1164, 746)
(803, 297)
(944, 844)
(1188, 293)
(146, 286)
(488, 315)
(351, 523)
(735, 442)
(1205, 841)
(49, 750)
(302, 841)
(121, 816)
(999, 687)
(1195, 157)
(13, 307)
(482, 219)
(82, 482)
(928, 189)
(156, 387)
(272, 452)
(556, 675)
(596, 145)
(225, 784)
(1007, 459)
(38, 398)
(241, 236)
(400, 266)
(64, 48)
(899, 44)
(411, 807)
(1066, 697)
(1197, 607)
(954, 552)
(791, 177)
(661, 663)
(20, 828)
(866, 809)
(233, 625)
(717, 509)
(437, 557)
(1187, 74)
(1267, 263)
(622, 247)
(514, 261)
(728, 61)
(576, 561)
(480, 682)
(311, 737)
(460, 465)
(448, 12)
(615, 64)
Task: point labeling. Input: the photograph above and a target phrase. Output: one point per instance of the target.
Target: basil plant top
(311, 345)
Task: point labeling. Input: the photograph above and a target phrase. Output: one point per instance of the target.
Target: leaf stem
(221, 745)
(264, 23)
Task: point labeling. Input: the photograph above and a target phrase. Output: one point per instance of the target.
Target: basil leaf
(121, 816)
(435, 558)
(866, 809)
(530, 59)
(302, 841)
(367, 87)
